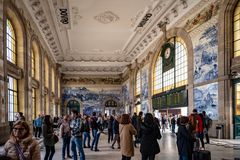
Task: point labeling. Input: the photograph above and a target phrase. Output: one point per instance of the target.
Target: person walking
(38, 126)
(48, 138)
(207, 125)
(65, 134)
(126, 131)
(116, 132)
(149, 134)
(110, 129)
(184, 140)
(21, 145)
(76, 126)
(86, 132)
(173, 123)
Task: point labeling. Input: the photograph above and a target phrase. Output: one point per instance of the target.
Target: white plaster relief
(106, 17)
(42, 21)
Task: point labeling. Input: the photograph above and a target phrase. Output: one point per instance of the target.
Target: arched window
(11, 43)
(236, 29)
(174, 77)
(138, 84)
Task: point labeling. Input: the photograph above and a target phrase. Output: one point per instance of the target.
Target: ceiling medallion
(106, 17)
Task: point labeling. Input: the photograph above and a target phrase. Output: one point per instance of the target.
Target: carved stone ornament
(106, 17)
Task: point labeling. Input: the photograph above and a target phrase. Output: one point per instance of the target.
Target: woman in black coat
(149, 134)
(184, 140)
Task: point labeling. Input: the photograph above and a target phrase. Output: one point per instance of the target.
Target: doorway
(73, 105)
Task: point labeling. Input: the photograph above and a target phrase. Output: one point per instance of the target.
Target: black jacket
(149, 133)
(183, 141)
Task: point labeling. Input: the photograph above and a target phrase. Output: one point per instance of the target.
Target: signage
(145, 19)
(170, 99)
(63, 17)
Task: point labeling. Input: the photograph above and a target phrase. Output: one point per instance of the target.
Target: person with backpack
(195, 127)
(207, 124)
(149, 134)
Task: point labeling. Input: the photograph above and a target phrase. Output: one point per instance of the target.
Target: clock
(168, 56)
(167, 53)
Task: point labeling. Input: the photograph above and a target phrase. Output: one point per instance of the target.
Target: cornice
(151, 32)
(37, 11)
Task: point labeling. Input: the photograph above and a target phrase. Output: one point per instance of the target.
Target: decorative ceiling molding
(106, 17)
(151, 32)
(43, 24)
(92, 68)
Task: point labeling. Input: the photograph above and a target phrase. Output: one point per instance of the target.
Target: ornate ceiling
(102, 37)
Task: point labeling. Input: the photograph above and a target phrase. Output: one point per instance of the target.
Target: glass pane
(236, 28)
(138, 83)
(10, 35)
(12, 98)
(237, 99)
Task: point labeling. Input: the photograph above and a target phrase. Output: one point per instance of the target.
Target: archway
(73, 105)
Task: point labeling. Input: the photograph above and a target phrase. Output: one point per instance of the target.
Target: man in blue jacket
(38, 126)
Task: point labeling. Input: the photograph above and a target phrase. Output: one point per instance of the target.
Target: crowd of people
(78, 132)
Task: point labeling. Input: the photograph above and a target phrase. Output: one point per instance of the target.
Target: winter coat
(149, 134)
(30, 147)
(126, 132)
(48, 135)
(183, 141)
(65, 130)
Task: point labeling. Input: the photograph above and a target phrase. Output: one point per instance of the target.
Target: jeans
(86, 136)
(96, 136)
(50, 150)
(125, 158)
(77, 142)
(148, 157)
(182, 157)
(110, 135)
(201, 136)
(66, 144)
(38, 131)
(173, 128)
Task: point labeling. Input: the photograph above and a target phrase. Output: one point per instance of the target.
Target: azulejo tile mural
(93, 101)
(206, 99)
(205, 55)
(125, 92)
(144, 106)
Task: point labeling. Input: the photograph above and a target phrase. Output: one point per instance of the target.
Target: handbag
(19, 152)
(56, 139)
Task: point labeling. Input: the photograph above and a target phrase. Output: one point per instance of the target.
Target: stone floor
(219, 150)
(168, 151)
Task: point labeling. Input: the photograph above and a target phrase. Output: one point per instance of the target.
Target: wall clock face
(167, 53)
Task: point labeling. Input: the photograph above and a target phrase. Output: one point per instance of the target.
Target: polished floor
(168, 150)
